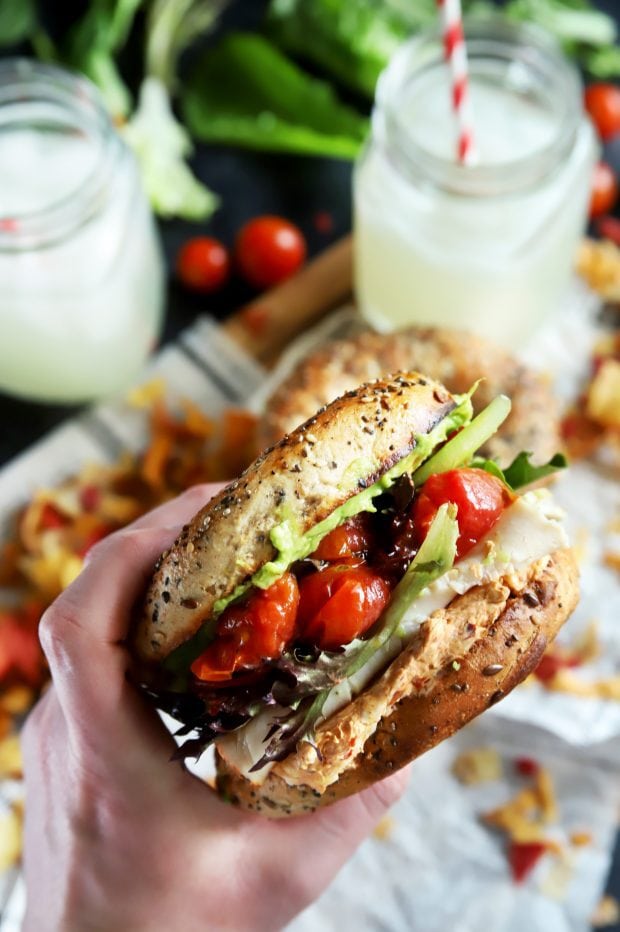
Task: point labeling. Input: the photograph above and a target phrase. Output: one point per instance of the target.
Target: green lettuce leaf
(245, 92)
(459, 451)
(18, 21)
(161, 145)
(521, 471)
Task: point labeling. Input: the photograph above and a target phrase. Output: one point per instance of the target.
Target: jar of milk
(81, 271)
(487, 247)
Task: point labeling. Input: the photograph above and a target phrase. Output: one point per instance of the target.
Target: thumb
(329, 836)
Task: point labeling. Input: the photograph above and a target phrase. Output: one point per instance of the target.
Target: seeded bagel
(455, 358)
(344, 448)
(466, 657)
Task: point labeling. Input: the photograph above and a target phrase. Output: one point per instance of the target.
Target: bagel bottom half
(473, 652)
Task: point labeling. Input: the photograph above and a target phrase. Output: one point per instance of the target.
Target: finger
(81, 631)
(181, 509)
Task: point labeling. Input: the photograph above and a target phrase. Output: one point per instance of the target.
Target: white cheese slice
(527, 531)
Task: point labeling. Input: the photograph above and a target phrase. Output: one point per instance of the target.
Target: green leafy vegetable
(521, 471)
(353, 40)
(350, 39)
(92, 44)
(161, 145)
(459, 451)
(434, 558)
(172, 25)
(18, 21)
(245, 92)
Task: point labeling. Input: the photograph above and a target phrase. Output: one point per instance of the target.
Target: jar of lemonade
(81, 270)
(487, 247)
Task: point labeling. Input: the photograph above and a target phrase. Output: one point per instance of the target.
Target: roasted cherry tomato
(203, 264)
(351, 538)
(604, 192)
(480, 498)
(602, 101)
(251, 631)
(340, 603)
(268, 250)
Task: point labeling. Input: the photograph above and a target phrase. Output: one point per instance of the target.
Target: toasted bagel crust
(455, 358)
(303, 477)
(516, 625)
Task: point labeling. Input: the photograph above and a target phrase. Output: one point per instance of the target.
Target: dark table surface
(249, 184)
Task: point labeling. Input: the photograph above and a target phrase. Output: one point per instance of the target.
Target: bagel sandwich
(365, 588)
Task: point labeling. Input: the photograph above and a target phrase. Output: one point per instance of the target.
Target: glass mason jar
(81, 270)
(490, 247)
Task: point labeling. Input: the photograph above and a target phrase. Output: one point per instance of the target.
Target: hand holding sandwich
(116, 835)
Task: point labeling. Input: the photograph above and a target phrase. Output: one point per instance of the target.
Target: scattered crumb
(17, 700)
(603, 399)
(524, 817)
(10, 837)
(580, 544)
(10, 757)
(598, 263)
(612, 560)
(566, 681)
(145, 395)
(607, 913)
(479, 765)
(587, 645)
(580, 839)
(384, 828)
(556, 882)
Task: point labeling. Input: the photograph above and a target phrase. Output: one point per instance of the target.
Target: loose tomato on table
(480, 498)
(203, 264)
(251, 631)
(268, 250)
(340, 603)
(604, 192)
(20, 652)
(523, 858)
(602, 101)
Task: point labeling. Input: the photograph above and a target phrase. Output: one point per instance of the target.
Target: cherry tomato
(604, 190)
(523, 858)
(20, 652)
(602, 101)
(52, 518)
(552, 663)
(268, 250)
(527, 766)
(251, 631)
(480, 498)
(203, 264)
(351, 538)
(340, 603)
(609, 228)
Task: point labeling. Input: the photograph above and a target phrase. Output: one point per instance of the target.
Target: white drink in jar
(488, 248)
(81, 272)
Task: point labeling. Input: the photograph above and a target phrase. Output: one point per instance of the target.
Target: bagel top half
(341, 450)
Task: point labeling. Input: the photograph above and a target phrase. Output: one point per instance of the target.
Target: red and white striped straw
(456, 55)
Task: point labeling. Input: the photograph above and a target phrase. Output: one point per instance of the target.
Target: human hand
(117, 836)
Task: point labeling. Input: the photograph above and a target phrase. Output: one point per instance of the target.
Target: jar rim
(487, 35)
(28, 83)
